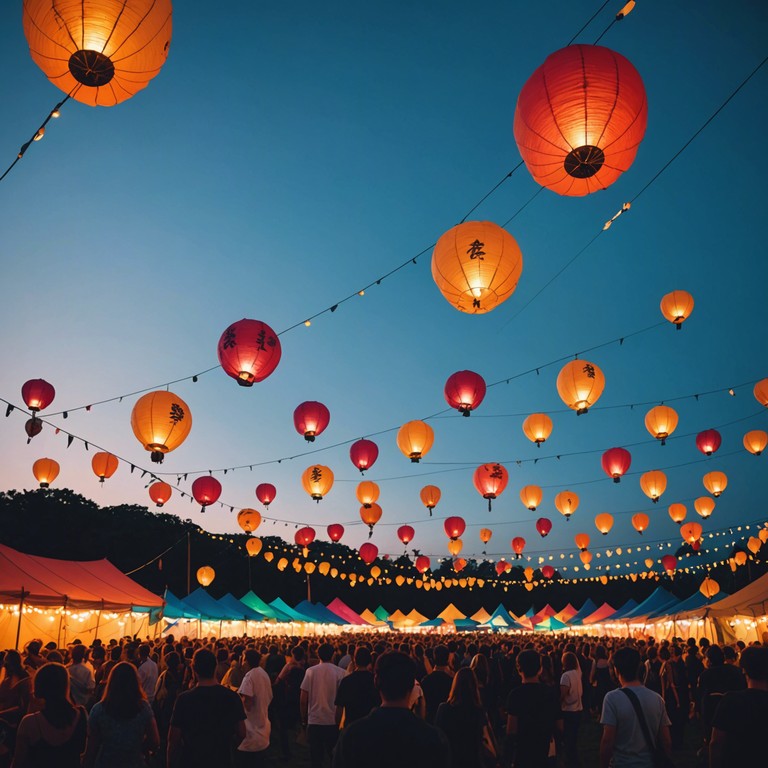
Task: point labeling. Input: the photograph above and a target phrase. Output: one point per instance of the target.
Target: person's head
(34, 647)
(252, 658)
(362, 658)
(464, 689)
(54, 657)
(626, 662)
(479, 665)
(395, 676)
(298, 654)
(204, 664)
(729, 654)
(652, 653)
(600, 652)
(325, 652)
(123, 695)
(52, 683)
(715, 656)
(78, 654)
(529, 663)
(440, 655)
(13, 665)
(664, 653)
(754, 663)
(570, 661)
(172, 660)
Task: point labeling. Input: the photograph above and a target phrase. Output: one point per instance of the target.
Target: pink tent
(343, 611)
(544, 613)
(604, 612)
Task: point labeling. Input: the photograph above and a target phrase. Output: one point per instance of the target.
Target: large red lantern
(37, 394)
(405, 533)
(464, 391)
(304, 536)
(265, 493)
(518, 545)
(206, 491)
(249, 351)
(368, 552)
(490, 481)
(708, 441)
(547, 571)
(335, 532)
(616, 462)
(422, 563)
(543, 526)
(310, 419)
(363, 454)
(160, 493)
(454, 527)
(580, 118)
(502, 566)
(669, 563)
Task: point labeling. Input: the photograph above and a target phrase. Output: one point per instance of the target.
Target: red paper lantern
(454, 527)
(206, 491)
(265, 493)
(335, 532)
(708, 441)
(364, 454)
(368, 552)
(543, 526)
(464, 391)
(518, 545)
(580, 119)
(160, 493)
(669, 563)
(490, 481)
(37, 394)
(310, 419)
(249, 351)
(422, 563)
(616, 462)
(547, 571)
(304, 536)
(502, 566)
(405, 533)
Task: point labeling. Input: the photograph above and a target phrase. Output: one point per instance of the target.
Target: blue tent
(628, 607)
(319, 613)
(433, 623)
(695, 601)
(209, 608)
(550, 624)
(659, 601)
(381, 613)
(586, 610)
(294, 615)
(466, 625)
(501, 618)
(176, 608)
(265, 609)
(247, 613)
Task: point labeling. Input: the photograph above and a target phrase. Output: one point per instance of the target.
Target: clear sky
(289, 154)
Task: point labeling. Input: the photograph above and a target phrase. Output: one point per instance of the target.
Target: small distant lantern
(265, 493)
(422, 563)
(543, 527)
(708, 441)
(661, 422)
(616, 462)
(104, 465)
(582, 541)
(206, 491)
(518, 545)
(335, 532)
(566, 503)
(547, 571)
(405, 533)
(531, 496)
(653, 484)
(537, 428)
(368, 552)
(704, 506)
(253, 546)
(677, 512)
(430, 496)
(677, 307)
(160, 493)
(248, 519)
(367, 493)
(709, 588)
(205, 575)
(370, 516)
(363, 454)
(640, 522)
(604, 522)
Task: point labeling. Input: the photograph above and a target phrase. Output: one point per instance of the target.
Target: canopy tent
(524, 619)
(544, 613)
(343, 611)
(659, 601)
(481, 617)
(501, 618)
(451, 613)
(588, 608)
(210, 608)
(246, 612)
(381, 613)
(550, 624)
(59, 600)
(466, 625)
(293, 615)
(265, 609)
(434, 623)
(414, 618)
(370, 617)
(693, 603)
(566, 614)
(604, 612)
(319, 613)
(397, 619)
(176, 608)
(628, 607)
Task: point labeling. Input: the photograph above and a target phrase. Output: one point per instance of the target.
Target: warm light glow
(367, 493)
(249, 519)
(715, 482)
(531, 496)
(677, 307)
(704, 506)
(755, 441)
(653, 484)
(205, 575)
(537, 427)
(580, 384)
(604, 522)
(566, 503)
(661, 422)
(45, 471)
(640, 522)
(317, 481)
(415, 439)
(161, 422)
(677, 512)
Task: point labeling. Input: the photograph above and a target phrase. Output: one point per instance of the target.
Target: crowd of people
(380, 699)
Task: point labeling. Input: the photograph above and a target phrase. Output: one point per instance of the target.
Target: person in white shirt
(318, 708)
(570, 703)
(147, 673)
(256, 693)
(82, 682)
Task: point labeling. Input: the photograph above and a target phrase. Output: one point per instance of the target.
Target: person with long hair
(15, 693)
(122, 726)
(54, 736)
(571, 706)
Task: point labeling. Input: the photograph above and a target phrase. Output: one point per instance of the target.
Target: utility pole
(189, 563)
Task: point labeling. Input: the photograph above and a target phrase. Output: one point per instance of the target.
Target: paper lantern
(405, 533)
(33, 427)
(104, 465)
(528, 573)
(459, 564)
(454, 527)
(691, 533)
(616, 462)
(375, 572)
(543, 527)
(415, 439)
(367, 493)
(101, 52)
(677, 512)
(335, 532)
(755, 441)
(585, 557)
(715, 482)
(537, 428)
(249, 351)
(363, 454)
(370, 516)
(464, 391)
(490, 480)
(709, 588)
(160, 493)
(566, 503)
(740, 558)
(205, 575)
(304, 536)
(422, 563)
(161, 422)
(582, 541)
(45, 471)
(206, 491)
(248, 519)
(547, 571)
(531, 496)
(669, 563)
(309, 568)
(708, 441)
(661, 422)
(502, 566)
(317, 480)
(518, 545)
(282, 563)
(604, 522)
(640, 522)
(754, 544)
(310, 419)
(455, 546)
(253, 546)
(704, 506)
(648, 562)
(580, 384)
(430, 496)
(762, 534)
(761, 392)
(368, 552)
(269, 556)
(653, 484)
(677, 307)
(37, 394)
(476, 266)
(265, 493)
(580, 119)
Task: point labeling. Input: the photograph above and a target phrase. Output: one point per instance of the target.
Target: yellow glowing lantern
(375, 572)
(754, 544)
(455, 546)
(528, 586)
(485, 535)
(740, 557)
(585, 557)
(661, 422)
(205, 575)
(161, 422)
(317, 481)
(580, 384)
(715, 482)
(537, 428)
(761, 392)
(677, 512)
(649, 562)
(704, 506)
(309, 568)
(324, 568)
(430, 496)
(528, 573)
(566, 503)
(653, 484)
(604, 522)
(755, 441)
(249, 519)
(367, 493)
(762, 534)
(582, 541)
(709, 588)
(677, 307)
(691, 533)
(415, 439)
(269, 556)
(253, 546)
(45, 471)
(370, 516)
(400, 580)
(531, 496)
(282, 563)
(640, 522)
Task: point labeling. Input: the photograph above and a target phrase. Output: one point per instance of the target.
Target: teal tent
(280, 605)
(265, 609)
(176, 608)
(247, 613)
(319, 613)
(209, 608)
(659, 601)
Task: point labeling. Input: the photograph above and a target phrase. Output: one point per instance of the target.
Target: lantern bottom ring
(91, 68)
(584, 162)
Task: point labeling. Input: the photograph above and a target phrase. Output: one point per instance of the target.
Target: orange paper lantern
(317, 480)
(531, 496)
(677, 307)
(661, 422)
(640, 522)
(755, 441)
(580, 384)
(582, 541)
(761, 392)
(253, 546)
(715, 482)
(566, 503)
(160, 493)
(677, 512)
(367, 493)
(45, 471)
(704, 506)
(370, 516)
(604, 522)
(415, 439)
(653, 484)
(248, 519)
(104, 465)
(205, 575)
(537, 428)
(161, 422)
(490, 480)
(430, 496)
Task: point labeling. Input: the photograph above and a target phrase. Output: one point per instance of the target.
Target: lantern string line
(490, 192)
(157, 557)
(588, 22)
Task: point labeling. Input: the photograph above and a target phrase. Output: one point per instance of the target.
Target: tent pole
(309, 590)
(21, 613)
(249, 573)
(98, 621)
(189, 563)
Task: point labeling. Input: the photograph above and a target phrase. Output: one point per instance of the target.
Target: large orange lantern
(677, 307)
(101, 52)
(430, 496)
(455, 546)
(580, 384)
(205, 575)
(531, 496)
(464, 391)
(677, 512)
(640, 522)
(367, 493)
(616, 462)
(253, 546)
(317, 480)
(104, 465)
(454, 527)
(653, 484)
(566, 503)
(704, 506)
(582, 541)
(370, 516)
(206, 491)
(160, 493)
(755, 441)
(310, 419)
(249, 351)
(709, 588)
(37, 394)
(715, 482)
(161, 422)
(537, 428)
(363, 454)
(543, 527)
(761, 392)
(580, 118)
(661, 422)
(604, 522)
(414, 439)
(490, 480)
(248, 519)
(691, 534)
(518, 545)
(476, 265)
(45, 471)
